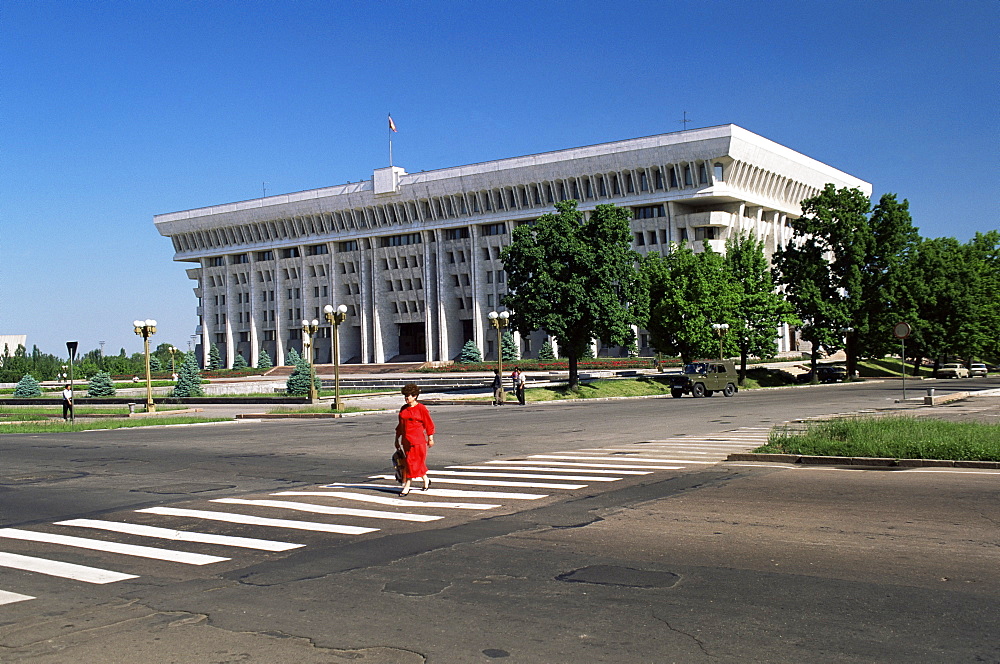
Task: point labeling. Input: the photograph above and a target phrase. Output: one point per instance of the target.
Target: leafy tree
(758, 310)
(575, 278)
(264, 360)
(189, 378)
(546, 352)
(239, 362)
(688, 293)
(214, 359)
(27, 387)
(101, 385)
(298, 381)
(470, 353)
(509, 348)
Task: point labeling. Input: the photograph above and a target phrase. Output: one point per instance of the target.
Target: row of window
(404, 284)
(584, 188)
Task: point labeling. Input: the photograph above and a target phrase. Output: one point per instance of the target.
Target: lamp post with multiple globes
(336, 317)
(499, 321)
(720, 329)
(310, 328)
(146, 329)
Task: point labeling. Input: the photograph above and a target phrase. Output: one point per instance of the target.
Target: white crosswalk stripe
(181, 535)
(495, 483)
(326, 509)
(62, 570)
(397, 502)
(9, 597)
(230, 517)
(579, 478)
(554, 469)
(446, 493)
(169, 555)
(596, 458)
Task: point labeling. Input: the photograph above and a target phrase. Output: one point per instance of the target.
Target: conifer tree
(214, 359)
(264, 360)
(470, 353)
(189, 378)
(155, 364)
(101, 385)
(27, 387)
(298, 381)
(509, 347)
(292, 357)
(546, 352)
(239, 362)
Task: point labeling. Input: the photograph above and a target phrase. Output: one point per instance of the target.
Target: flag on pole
(392, 125)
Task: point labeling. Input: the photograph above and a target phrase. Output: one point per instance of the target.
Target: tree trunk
(850, 346)
(917, 361)
(574, 374)
(813, 361)
(743, 366)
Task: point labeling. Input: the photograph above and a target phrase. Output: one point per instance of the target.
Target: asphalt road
(696, 561)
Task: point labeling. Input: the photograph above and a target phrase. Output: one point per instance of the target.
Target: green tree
(27, 387)
(101, 385)
(189, 378)
(575, 278)
(264, 360)
(214, 358)
(154, 363)
(758, 310)
(239, 362)
(510, 352)
(821, 268)
(292, 357)
(546, 352)
(688, 293)
(470, 353)
(298, 382)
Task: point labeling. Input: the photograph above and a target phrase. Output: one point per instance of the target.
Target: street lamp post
(172, 369)
(310, 328)
(499, 321)
(146, 329)
(720, 329)
(71, 347)
(335, 317)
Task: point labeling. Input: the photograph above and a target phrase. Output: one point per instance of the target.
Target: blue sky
(114, 111)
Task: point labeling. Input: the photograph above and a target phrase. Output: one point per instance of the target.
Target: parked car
(703, 379)
(825, 374)
(952, 370)
(977, 369)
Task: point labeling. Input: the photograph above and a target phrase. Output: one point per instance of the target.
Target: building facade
(415, 257)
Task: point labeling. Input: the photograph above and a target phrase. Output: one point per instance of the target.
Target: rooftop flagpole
(392, 130)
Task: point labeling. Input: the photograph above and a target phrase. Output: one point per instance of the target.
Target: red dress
(415, 425)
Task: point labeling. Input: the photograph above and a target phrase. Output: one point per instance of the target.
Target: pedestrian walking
(498, 395)
(67, 403)
(414, 435)
(518, 379)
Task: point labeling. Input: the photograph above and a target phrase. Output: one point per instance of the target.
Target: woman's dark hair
(411, 390)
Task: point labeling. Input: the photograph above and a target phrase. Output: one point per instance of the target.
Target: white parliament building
(415, 257)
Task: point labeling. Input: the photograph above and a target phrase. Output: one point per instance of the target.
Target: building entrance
(412, 340)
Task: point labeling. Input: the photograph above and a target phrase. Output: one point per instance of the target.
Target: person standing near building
(414, 435)
(497, 388)
(518, 378)
(67, 403)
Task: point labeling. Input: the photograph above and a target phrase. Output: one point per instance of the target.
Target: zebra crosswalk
(218, 527)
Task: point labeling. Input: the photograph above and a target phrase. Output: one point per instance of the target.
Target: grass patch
(321, 409)
(64, 427)
(892, 438)
(888, 367)
(79, 411)
(601, 389)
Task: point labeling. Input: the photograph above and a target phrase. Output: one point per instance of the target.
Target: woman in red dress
(414, 434)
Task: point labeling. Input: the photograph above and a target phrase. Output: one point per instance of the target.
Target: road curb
(813, 460)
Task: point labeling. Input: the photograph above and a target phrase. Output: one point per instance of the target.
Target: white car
(952, 371)
(977, 369)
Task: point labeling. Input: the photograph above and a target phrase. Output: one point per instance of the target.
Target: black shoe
(405, 491)
(428, 485)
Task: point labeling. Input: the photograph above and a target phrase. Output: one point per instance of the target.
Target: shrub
(292, 358)
(189, 378)
(264, 360)
(214, 359)
(27, 387)
(470, 353)
(239, 362)
(298, 383)
(101, 385)
(546, 352)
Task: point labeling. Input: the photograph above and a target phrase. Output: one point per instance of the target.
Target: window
(673, 178)
(719, 172)
(705, 233)
(290, 252)
(702, 174)
(489, 278)
(486, 253)
(687, 177)
(647, 212)
(494, 229)
(639, 239)
(456, 233)
(350, 245)
(652, 237)
(500, 276)
(317, 249)
(216, 261)
(400, 240)
(265, 255)
(240, 258)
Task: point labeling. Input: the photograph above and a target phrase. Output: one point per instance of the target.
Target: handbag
(399, 465)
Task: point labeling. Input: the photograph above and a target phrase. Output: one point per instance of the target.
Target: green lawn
(897, 437)
(59, 426)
